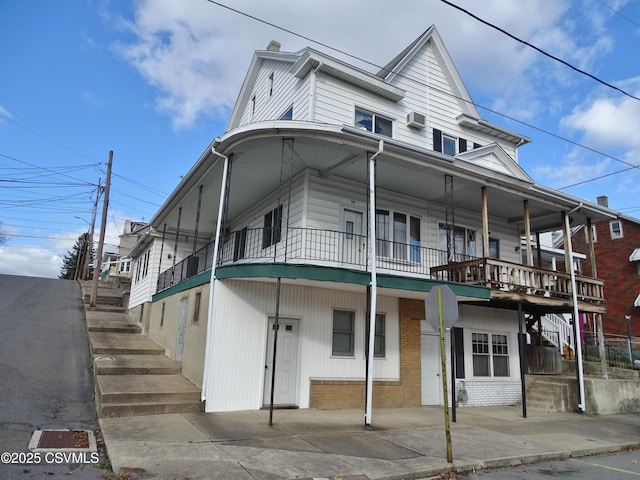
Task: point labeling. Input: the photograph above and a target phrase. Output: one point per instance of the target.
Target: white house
(320, 158)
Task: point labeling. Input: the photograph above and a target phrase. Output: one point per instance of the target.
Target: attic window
(253, 105)
(270, 86)
(372, 122)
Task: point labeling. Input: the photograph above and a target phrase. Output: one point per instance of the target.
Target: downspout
(576, 318)
(216, 247)
(312, 103)
(372, 261)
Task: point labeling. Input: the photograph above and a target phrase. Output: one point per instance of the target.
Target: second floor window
(616, 229)
(272, 232)
(373, 122)
(402, 242)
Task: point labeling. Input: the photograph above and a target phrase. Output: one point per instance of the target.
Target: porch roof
(341, 151)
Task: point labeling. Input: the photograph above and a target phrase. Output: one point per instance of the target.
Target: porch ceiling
(257, 171)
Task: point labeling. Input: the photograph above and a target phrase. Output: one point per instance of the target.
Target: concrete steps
(132, 374)
(113, 322)
(135, 365)
(550, 393)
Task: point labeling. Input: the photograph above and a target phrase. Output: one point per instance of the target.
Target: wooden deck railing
(513, 277)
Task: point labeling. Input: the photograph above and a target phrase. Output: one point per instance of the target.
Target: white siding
(239, 331)
(287, 91)
(144, 288)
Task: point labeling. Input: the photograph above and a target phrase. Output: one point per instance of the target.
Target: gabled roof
(396, 66)
(493, 157)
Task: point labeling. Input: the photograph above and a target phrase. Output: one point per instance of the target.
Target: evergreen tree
(74, 257)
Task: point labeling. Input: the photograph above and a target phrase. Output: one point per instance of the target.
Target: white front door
(286, 380)
(353, 247)
(431, 380)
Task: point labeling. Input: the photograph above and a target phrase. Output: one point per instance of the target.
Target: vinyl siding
(239, 337)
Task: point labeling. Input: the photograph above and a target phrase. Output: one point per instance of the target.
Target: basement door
(430, 363)
(286, 381)
(182, 327)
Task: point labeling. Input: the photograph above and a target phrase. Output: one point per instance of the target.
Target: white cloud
(196, 53)
(29, 261)
(4, 113)
(608, 121)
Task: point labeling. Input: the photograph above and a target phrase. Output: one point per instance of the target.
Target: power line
(421, 83)
(630, 20)
(538, 49)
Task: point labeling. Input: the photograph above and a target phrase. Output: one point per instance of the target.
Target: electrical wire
(630, 20)
(540, 50)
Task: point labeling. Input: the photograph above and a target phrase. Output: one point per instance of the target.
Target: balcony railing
(511, 277)
(187, 268)
(347, 250)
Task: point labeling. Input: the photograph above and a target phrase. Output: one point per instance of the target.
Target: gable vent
(416, 120)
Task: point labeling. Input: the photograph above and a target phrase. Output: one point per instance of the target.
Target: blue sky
(155, 81)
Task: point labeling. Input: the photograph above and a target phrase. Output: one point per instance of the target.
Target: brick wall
(337, 394)
(621, 279)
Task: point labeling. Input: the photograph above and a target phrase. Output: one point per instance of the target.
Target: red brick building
(616, 244)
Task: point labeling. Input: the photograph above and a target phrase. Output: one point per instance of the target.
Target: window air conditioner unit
(416, 120)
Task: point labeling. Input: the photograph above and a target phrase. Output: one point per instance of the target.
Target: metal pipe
(576, 315)
(372, 261)
(216, 245)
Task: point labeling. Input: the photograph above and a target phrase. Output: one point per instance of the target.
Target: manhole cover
(63, 440)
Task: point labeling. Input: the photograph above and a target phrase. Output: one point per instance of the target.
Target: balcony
(306, 246)
(507, 279)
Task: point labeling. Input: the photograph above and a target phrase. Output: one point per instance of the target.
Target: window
(288, 115)
(404, 237)
(593, 234)
(270, 86)
(196, 307)
(464, 241)
(615, 227)
(494, 248)
(272, 232)
(379, 340)
(373, 122)
(449, 145)
(343, 333)
(490, 359)
(253, 105)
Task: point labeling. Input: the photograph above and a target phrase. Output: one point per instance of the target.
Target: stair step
(135, 365)
(109, 343)
(145, 389)
(112, 410)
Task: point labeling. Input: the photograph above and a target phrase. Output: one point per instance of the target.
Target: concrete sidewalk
(403, 443)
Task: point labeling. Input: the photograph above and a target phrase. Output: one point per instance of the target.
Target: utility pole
(85, 265)
(98, 260)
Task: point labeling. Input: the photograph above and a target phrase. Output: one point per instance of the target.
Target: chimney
(273, 46)
(603, 200)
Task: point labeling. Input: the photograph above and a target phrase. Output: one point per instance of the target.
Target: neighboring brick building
(615, 241)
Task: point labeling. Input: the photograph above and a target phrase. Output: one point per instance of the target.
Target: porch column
(175, 247)
(164, 233)
(592, 250)
(449, 217)
(195, 233)
(527, 233)
(485, 233)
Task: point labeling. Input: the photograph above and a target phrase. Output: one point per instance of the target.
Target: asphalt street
(46, 380)
(613, 466)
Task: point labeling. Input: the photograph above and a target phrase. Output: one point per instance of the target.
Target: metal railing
(617, 348)
(187, 268)
(347, 250)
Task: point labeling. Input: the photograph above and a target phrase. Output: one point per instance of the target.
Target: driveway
(45, 368)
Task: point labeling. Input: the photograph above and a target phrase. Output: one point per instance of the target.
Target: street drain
(63, 440)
